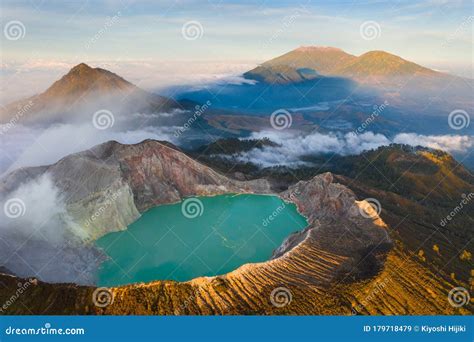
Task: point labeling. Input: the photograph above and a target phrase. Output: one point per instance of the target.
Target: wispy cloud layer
(39, 238)
(293, 147)
(35, 146)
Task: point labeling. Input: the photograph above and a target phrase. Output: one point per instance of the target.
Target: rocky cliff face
(159, 174)
(339, 224)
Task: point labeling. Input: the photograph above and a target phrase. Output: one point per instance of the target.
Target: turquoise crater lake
(203, 236)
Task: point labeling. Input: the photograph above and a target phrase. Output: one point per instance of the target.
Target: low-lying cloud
(26, 146)
(448, 143)
(294, 146)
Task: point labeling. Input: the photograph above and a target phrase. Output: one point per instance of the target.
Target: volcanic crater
(340, 245)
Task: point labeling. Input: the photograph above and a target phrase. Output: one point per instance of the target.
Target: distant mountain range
(324, 88)
(405, 84)
(335, 90)
(306, 63)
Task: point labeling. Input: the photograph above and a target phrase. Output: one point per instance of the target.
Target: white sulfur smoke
(38, 237)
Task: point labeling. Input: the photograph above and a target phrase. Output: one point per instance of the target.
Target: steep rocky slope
(403, 287)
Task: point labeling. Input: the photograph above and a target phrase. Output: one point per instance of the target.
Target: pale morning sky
(144, 40)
